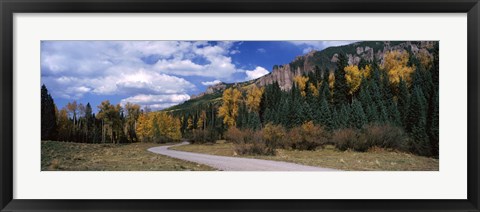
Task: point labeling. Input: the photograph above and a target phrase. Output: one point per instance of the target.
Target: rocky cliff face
(284, 74)
(326, 59)
(220, 87)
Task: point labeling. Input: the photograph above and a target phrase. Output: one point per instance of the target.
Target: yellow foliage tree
(201, 123)
(254, 97)
(229, 108)
(354, 76)
(301, 82)
(157, 126)
(331, 80)
(395, 63)
(313, 89)
(143, 127)
(63, 124)
(190, 123)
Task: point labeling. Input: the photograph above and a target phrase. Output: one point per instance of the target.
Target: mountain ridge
(324, 59)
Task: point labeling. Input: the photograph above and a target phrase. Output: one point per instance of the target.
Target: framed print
(256, 106)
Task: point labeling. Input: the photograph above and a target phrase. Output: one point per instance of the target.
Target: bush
(253, 149)
(382, 136)
(238, 136)
(345, 139)
(254, 146)
(308, 137)
(274, 136)
(234, 135)
(201, 137)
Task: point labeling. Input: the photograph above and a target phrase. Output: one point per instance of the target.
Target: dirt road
(234, 163)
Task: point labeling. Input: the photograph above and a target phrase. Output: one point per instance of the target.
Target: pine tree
(325, 118)
(48, 116)
(403, 99)
(394, 114)
(253, 121)
(284, 110)
(340, 87)
(432, 124)
(343, 119)
(416, 123)
(358, 118)
(90, 122)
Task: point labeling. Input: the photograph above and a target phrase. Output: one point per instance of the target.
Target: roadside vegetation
(375, 159)
(69, 156)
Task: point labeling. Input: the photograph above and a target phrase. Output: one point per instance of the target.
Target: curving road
(233, 163)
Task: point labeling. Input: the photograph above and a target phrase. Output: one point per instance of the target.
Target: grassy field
(378, 160)
(110, 157)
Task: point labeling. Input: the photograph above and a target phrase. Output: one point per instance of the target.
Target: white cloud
(214, 82)
(256, 73)
(140, 82)
(235, 51)
(318, 45)
(72, 69)
(156, 102)
(261, 50)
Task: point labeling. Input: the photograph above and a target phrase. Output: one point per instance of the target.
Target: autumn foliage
(229, 109)
(395, 63)
(158, 127)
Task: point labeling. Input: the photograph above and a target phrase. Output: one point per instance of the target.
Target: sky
(157, 74)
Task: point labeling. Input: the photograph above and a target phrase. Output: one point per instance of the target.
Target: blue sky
(157, 74)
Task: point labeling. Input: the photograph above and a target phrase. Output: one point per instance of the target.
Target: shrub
(274, 136)
(201, 137)
(253, 149)
(371, 136)
(249, 142)
(255, 146)
(238, 136)
(344, 139)
(384, 136)
(308, 136)
(234, 135)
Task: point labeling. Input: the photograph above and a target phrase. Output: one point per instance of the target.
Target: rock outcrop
(301, 65)
(220, 87)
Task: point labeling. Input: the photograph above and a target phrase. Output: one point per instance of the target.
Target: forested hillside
(359, 96)
(348, 92)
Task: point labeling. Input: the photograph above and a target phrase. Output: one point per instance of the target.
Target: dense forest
(391, 104)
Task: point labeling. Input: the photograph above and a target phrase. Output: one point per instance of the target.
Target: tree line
(112, 124)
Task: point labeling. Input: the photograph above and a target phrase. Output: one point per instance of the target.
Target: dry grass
(329, 157)
(109, 157)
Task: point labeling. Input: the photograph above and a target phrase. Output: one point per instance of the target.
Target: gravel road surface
(233, 163)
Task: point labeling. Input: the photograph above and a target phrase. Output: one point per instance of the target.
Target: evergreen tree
(284, 110)
(253, 121)
(48, 116)
(403, 99)
(394, 114)
(317, 74)
(325, 118)
(335, 119)
(324, 92)
(416, 123)
(340, 87)
(358, 118)
(343, 119)
(90, 122)
(432, 124)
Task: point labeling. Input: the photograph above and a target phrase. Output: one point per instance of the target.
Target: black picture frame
(9, 7)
